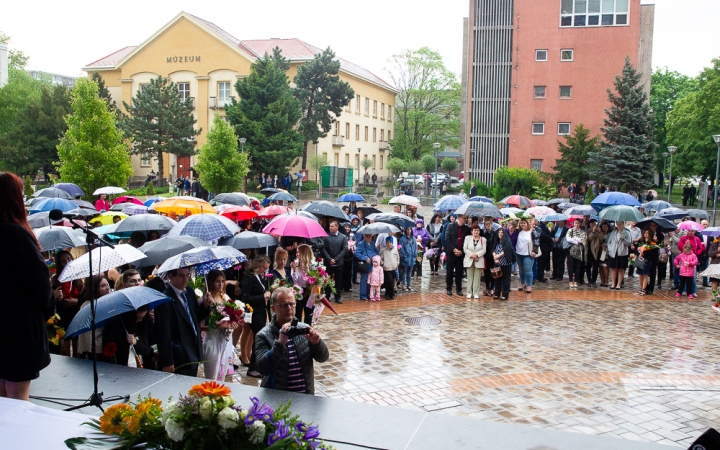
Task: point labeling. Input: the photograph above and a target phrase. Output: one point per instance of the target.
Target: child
(685, 262)
(417, 269)
(376, 278)
(390, 260)
(298, 271)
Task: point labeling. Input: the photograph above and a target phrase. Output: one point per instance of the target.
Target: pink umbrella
(272, 211)
(296, 226)
(690, 225)
(540, 211)
(127, 199)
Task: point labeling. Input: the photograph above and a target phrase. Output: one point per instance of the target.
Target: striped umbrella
(480, 198)
(449, 203)
(208, 227)
(517, 200)
(134, 209)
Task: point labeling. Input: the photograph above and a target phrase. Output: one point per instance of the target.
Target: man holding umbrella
(333, 250)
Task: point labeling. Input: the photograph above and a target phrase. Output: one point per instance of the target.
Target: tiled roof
(112, 58)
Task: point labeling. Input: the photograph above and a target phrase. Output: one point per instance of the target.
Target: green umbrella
(621, 213)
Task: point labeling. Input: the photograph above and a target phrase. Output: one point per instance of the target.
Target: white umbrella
(103, 258)
(109, 190)
(405, 200)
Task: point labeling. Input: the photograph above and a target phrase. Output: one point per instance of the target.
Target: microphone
(57, 214)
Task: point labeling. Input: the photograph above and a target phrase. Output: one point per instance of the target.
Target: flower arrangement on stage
(205, 418)
(54, 331)
(227, 311)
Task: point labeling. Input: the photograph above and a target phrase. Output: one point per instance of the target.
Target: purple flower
(280, 433)
(307, 431)
(258, 411)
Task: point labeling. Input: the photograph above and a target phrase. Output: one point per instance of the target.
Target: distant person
(473, 190)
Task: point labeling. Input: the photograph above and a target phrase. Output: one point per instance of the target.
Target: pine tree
(266, 116)
(322, 97)
(104, 92)
(222, 166)
(572, 167)
(627, 150)
(92, 152)
(160, 121)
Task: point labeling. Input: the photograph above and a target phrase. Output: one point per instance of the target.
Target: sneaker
(677, 295)
(469, 296)
(476, 297)
(690, 296)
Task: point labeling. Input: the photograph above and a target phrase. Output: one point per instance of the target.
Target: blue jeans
(364, 286)
(405, 275)
(525, 265)
(535, 268)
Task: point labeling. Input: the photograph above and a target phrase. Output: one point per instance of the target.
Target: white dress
(218, 352)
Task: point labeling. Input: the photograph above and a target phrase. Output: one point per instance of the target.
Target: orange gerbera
(209, 388)
(111, 422)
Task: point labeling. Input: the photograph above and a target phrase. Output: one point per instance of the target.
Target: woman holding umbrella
(365, 250)
(408, 255)
(434, 229)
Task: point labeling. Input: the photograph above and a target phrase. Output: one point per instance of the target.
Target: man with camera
(285, 349)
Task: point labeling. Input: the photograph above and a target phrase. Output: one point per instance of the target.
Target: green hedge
(310, 186)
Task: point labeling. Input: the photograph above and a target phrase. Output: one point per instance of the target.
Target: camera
(296, 330)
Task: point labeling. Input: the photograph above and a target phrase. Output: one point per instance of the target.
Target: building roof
(293, 49)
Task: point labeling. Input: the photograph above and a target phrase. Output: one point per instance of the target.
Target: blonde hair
(305, 257)
(280, 253)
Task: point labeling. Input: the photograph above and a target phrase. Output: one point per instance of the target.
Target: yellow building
(205, 62)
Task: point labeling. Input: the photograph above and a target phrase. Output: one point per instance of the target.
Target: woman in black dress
(27, 298)
(255, 293)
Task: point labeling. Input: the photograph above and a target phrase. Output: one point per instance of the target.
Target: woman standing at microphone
(27, 297)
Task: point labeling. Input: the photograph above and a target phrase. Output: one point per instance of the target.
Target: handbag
(362, 266)
(530, 250)
(640, 263)
(565, 244)
(496, 272)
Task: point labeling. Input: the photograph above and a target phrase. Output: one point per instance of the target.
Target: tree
(572, 167)
(515, 180)
(449, 164)
(16, 58)
(429, 163)
(21, 90)
(396, 166)
(427, 107)
(627, 151)
(92, 152)
(322, 96)
(159, 121)
(414, 168)
(104, 92)
(266, 116)
(316, 163)
(222, 166)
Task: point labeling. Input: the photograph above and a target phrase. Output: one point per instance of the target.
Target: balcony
(383, 145)
(337, 141)
(216, 103)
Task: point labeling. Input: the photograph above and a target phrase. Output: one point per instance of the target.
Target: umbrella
(621, 213)
(480, 198)
(282, 196)
(144, 222)
(653, 192)
(399, 220)
(508, 211)
(594, 217)
(84, 212)
(367, 210)
(114, 304)
(52, 192)
(711, 231)
(269, 191)
(301, 213)
(204, 259)
(296, 226)
(590, 182)
(54, 237)
(448, 203)
(325, 209)
(557, 201)
(104, 258)
(83, 203)
(581, 210)
(566, 205)
(657, 205)
(249, 239)
(479, 209)
(351, 197)
(690, 225)
(205, 226)
(108, 218)
(238, 213)
(52, 203)
(181, 205)
(127, 199)
(120, 206)
(159, 250)
(109, 190)
(518, 200)
(378, 228)
(405, 200)
(698, 214)
(663, 225)
(539, 202)
(554, 217)
(71, 188)
(611, 198)
(405, 184)
(39, 220)
(230, 199)
(672, 213)
(540, 211)
(152, 200)
(272, 211)
(133, 210)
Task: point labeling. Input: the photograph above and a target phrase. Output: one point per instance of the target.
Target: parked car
(417, 180)
(452, 182)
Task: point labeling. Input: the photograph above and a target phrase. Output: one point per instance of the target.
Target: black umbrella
(249, 239)
(229, 199)
(84, 212)
(52, 238)
(557, 201)
(399, 220)
(269, 191)
(282, 196)
(120, 206)
(377, 228)
(663, 225)
(39, 220)
(367, 210)
(325, 209)
(145, 222)
(698, 214)
(159, 250)
(52, 193)
(83, 204)
(672, 213)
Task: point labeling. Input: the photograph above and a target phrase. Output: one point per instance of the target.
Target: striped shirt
(498, 250)
(295, 379)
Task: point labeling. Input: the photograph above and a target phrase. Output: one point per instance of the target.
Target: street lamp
(672, 149)
(358, 168)
(242, 142)
(436, 146)
(717, 169)
(665, 155)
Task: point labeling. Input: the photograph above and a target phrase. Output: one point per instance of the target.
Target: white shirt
(524, 241)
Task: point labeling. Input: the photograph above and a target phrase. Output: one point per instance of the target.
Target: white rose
(169, 410)
(257, 432)
(206, 408)
(198, 293)
(174, 430)
(228, 418)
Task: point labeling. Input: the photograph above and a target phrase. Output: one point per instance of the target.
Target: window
(374, 134)
(373, 162)
(375, 108)
(563, 128)
(348, 107)
(367, 106)
(536, 164)
(357, 161)
(223, 91)
(389, 114)
(565, 91)
(381, 163)
(541, 55)
(382, 134)
(389, 138)
(337, 159)
(357, 132)
(337, 128)
(539, 91)
(325, 156)
(566, 55)
(184, 90)
(357, 104)
(145, 160)
(347, 160)
(347, 130)
(538, 128)
(382, 111)
(366, 133)
(593, 13)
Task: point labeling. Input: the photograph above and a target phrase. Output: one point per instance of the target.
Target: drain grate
(423, 321)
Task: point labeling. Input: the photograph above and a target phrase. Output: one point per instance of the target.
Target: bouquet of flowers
(205, 418)
(648, 246)
(54, 331)
(227, 311)
(318, 279)
(282, 283)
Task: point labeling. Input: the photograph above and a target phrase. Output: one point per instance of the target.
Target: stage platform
(344, 424)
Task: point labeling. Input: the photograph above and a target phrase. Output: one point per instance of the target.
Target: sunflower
(111, 422)
(209, 388)
(152, 401)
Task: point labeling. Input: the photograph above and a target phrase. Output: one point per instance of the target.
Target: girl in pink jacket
(685, 262)
(376, 278)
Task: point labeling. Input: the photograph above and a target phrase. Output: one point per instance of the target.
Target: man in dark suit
(177, 326)
(473, 190)
(333, 251)
(455, 235)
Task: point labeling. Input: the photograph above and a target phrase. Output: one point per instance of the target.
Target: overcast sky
(63, 36)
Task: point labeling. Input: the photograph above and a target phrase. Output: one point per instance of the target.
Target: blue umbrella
(554, 217)
(449, 203)
(611, 198)
(71, 188)
(207, 227)
(480, 198)
(672, 213)
(152, 200)
(52, 203)
(657, 205)
(284, 196)
(351, 197)
(112, 305)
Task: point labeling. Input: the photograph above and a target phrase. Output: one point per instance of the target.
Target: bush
(28, 187)
(368, 191)
(482, 188)
(310, 186)
(150, 189)
(386, 200)
(516, 180)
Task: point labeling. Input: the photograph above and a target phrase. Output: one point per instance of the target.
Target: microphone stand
(96, 398)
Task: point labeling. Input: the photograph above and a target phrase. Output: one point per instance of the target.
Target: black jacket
(253, 293)
(117, 329)
(273, 359)
(508, 249)
(335, 248)
(545, 237)
(473, 191)
(451, 238)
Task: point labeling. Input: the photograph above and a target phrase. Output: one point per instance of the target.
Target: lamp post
(358, 169)
(716, 138)
(242, 142)
(436, 146)
(672, 149)
(665, 155)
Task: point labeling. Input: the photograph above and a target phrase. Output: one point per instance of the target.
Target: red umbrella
(517, 200)
(127, 199)
(296, 226)
(272, 211)
(238, 213)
